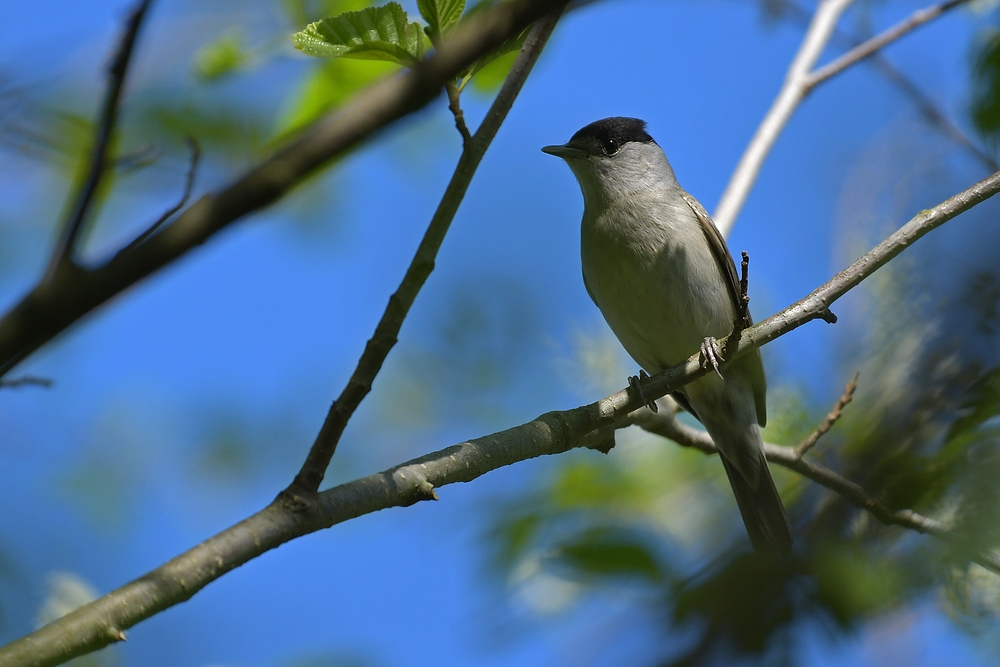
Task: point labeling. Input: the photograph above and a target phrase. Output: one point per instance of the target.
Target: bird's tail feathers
(763, 514)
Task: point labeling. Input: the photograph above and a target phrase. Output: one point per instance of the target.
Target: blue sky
(106, 475)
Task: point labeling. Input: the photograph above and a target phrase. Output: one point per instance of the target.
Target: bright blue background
(105, 475)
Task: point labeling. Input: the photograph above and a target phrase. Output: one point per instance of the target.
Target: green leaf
(441, 15)
(327, 87)
(375, 33)
(510, 47)
(491, 76)
(602, 553)
(219, 58)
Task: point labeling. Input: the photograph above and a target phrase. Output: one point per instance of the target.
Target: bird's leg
(711, 355)
(635, 384)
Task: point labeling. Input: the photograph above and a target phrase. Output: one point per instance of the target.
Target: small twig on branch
(869, 47)
(169, 213)
(830, 419)
(83, 199)
(25, 381)
(927, 107)
(799, 82)
(382, 341)
(454, 104)
(744, 314)
(293, 515)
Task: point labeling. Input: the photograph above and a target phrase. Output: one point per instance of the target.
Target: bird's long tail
(763, 514)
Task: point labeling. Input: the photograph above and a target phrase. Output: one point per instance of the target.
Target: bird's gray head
(615, 157)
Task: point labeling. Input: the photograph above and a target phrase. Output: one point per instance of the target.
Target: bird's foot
(711, 355)
(635, 384)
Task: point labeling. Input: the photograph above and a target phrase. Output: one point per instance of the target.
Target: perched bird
(660, 272)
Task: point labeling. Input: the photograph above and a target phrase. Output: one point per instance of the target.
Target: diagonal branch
(103, 621)
(384, 338)
(831, 418)
(666, 424)
(63, 253)
(54, 305)
(799, 82)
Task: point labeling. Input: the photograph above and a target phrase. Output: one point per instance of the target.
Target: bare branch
(927, 107)
(830, 419)
(792, 93)
(384, 339)
(65, 247)
(25, 381)
(54, 305)
(667, 425)
(293, 515)
(169, 213)
(799, 82)
(869, 47)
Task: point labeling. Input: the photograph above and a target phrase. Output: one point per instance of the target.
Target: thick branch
(384, 338)
(799, 82)
(63, 252)
(293, 515)
(53, 306)
(666, 424)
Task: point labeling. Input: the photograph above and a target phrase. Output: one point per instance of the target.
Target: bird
(658, 269)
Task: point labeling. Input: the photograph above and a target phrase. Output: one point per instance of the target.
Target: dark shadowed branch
(831, 418)
(292, 515)
(53, 305)
(82, 200)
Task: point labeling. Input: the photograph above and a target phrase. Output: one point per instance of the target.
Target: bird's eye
(610, 146)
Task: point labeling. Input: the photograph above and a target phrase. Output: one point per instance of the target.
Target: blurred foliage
(985, 103)
(223, 56)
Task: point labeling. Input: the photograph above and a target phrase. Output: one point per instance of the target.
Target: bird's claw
(635, 384)
(711, 355)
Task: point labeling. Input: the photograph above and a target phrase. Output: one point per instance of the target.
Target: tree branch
(666, 424)
(292, 515)
(54, 305)
(799, 82)
(62, 255)
(384, 339)
(25, 381)
(831, 418)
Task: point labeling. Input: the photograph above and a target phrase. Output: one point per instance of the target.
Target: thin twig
(830, 419)
(382, 341)
(185, 195)
(667, 425)
(879, 41)
(455, 106)
(51, 307)
(823, 23)
(293, 515)
(65, 247)
(24, 381)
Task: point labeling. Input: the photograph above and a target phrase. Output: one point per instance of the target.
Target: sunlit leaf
(327, 87)
(374, 33)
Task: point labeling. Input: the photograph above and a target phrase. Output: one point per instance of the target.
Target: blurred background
(190, 401)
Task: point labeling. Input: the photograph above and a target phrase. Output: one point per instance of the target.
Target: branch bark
(799, 82)
(54, 305)
(292, 515)
(384, 339)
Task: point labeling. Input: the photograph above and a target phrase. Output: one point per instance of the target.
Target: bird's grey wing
(753, 365)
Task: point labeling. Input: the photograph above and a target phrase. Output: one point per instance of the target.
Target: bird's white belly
(661, 296)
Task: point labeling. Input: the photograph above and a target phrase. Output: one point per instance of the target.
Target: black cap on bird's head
(603, 137)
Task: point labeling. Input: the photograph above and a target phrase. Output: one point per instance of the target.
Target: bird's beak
(565, 151)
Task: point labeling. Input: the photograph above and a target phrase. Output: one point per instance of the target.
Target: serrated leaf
(374, 33)
(441, 15)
